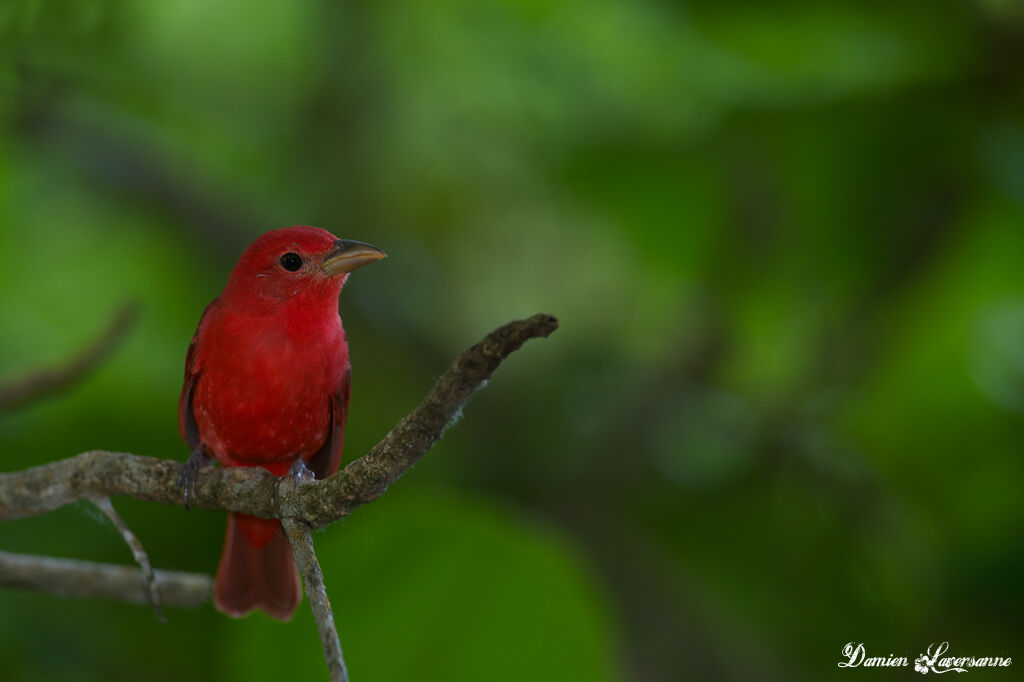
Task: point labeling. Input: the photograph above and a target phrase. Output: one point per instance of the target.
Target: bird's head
(292, 262)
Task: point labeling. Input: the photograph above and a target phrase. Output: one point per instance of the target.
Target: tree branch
(97, 475)
(48, 381)
(255, 491)
(301, 537)
(74, 578)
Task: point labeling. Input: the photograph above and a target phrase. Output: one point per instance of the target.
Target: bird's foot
(300, 473)
(190, 474)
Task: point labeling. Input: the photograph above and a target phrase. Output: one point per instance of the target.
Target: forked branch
(253, 491)
(96, 475)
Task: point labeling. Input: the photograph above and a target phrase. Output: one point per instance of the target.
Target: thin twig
(301, 537)
(75, 578)
(48, 381)
(148, 577)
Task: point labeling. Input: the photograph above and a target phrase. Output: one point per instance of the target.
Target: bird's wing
(326, 460)
(186, 420)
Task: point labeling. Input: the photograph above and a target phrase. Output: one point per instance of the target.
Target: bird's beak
(349, 255)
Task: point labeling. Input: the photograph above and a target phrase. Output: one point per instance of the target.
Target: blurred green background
(785, 408)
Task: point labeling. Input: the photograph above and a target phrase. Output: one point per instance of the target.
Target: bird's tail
(256, 570)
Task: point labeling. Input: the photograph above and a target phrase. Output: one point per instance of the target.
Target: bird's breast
(263, 392)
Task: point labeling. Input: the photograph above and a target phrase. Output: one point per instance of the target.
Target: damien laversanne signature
(933, 660)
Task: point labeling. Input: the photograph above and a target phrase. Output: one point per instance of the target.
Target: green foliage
(466, 589)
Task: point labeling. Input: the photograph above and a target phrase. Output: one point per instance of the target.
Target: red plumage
(267, 383)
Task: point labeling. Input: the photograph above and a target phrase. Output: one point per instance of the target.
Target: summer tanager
(267, 384)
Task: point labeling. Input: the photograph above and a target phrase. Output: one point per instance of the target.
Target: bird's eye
(291, 261)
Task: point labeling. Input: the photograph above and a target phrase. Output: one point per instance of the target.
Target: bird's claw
(300, 473)
(190, 474)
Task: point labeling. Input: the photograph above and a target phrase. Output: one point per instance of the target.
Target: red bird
(267, 384)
